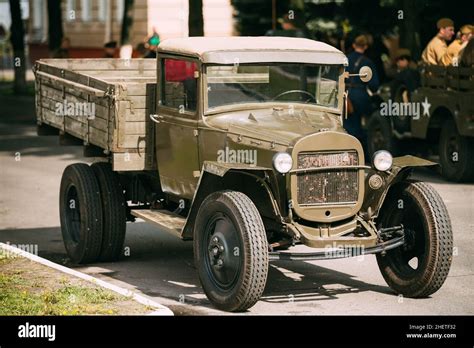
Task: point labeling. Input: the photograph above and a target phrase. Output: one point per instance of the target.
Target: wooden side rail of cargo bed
(55, 79)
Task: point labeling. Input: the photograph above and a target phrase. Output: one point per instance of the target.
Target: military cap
(445, 22)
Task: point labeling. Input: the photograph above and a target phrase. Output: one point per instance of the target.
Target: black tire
(81, 213)
(456, 154)
(238, 283)
(379, 135)
(428, 238)
(113, 212)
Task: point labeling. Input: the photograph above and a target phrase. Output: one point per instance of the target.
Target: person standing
(357, 90)
(436, 52)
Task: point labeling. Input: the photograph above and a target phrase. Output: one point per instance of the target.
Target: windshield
(280, 82)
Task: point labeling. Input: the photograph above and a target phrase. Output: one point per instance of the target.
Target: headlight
(282, 162)
(382, 160)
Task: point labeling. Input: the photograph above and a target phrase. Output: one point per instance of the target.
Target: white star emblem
(426, 107)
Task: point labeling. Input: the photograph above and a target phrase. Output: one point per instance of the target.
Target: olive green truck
(237, 145)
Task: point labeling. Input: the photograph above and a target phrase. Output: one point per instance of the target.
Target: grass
(20, 295)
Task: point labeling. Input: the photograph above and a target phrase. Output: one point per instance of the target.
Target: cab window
(179, 84)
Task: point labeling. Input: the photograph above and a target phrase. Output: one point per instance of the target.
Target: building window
(103, 9)
(120, 7)
(71, 10)
(86, 10)
(38, 14)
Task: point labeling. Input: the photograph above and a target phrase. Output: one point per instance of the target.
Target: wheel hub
(217, 252)
(223, 262)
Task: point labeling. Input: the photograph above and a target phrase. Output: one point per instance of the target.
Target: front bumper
(388, 239)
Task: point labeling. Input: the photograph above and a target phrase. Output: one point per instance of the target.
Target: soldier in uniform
(357, 90)
(464, 35)
(436, 51)
(407, 77)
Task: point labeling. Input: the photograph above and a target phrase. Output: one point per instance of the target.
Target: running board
(164, 218)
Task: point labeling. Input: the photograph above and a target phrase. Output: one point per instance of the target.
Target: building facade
(90, 23)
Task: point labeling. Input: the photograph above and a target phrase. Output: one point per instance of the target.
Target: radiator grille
(331, 186)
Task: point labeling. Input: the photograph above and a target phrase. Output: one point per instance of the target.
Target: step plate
(172, 222)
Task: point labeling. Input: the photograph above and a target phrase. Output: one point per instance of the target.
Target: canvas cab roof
(254, 49)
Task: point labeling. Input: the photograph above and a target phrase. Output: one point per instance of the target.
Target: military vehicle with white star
(440, 113)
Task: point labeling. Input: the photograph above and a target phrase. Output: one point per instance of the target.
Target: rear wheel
(231, 250)
(456, 153)
(420, 266)
(113, 211)
(81, 214)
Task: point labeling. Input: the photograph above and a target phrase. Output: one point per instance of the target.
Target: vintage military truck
(440, 113)
(237, 144)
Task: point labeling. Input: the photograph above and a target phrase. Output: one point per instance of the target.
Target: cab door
(176, 131)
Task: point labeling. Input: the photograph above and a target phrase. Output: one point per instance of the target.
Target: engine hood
(284, 126)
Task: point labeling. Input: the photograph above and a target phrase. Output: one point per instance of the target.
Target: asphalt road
(161, 266)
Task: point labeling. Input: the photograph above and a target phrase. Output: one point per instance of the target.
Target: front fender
(218, 176)
(401, 169)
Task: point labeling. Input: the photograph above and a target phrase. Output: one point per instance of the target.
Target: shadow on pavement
(18, 131)
(162, 265)
(27, 143)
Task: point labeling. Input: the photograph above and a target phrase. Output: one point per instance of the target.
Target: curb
(159, 309)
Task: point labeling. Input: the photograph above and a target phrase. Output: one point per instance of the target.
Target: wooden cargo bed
(103, 102)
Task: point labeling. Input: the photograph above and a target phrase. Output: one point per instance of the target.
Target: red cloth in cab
(179, 70)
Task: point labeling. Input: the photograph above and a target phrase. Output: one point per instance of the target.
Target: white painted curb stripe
(158, 308)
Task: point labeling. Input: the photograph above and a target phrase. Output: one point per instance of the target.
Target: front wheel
(420, 266)
(231, 250)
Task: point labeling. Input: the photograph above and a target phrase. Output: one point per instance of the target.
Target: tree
(18, 43)
(254, 17)
(195, 18)
(127, 22)
(55, 25)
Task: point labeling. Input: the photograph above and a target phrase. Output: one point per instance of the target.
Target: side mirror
(365, 74)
